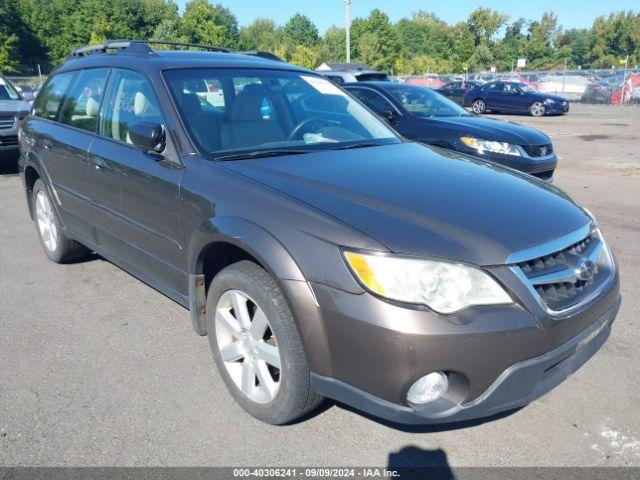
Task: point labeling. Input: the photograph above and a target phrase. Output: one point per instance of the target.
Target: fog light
(428, 388)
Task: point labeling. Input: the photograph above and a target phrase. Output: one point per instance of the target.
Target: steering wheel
(303, 124)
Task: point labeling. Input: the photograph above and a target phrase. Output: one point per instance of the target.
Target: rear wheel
(478, 106)
(256, 345)
(56, 245)
(537, 109)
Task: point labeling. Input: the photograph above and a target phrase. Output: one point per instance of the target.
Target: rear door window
(82, 103)
(373, 100)
(48, 100)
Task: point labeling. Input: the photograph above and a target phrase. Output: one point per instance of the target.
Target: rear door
(136, 194)
(72, 100)
(494, 97)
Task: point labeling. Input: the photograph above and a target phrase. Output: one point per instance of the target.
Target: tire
(478, 106)
(271, 394)
(56, 245)
(537, 109)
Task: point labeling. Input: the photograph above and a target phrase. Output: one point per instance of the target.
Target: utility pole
(564, 74)
(348, 28)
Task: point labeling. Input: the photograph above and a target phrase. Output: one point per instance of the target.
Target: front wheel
(55, 243)
(478, 106)
(537, 109)
(256, 345)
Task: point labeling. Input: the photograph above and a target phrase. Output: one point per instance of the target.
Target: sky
(324, 13)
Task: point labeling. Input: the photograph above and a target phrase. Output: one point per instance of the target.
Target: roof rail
(143, 47)
(137, 46)
(261, 54)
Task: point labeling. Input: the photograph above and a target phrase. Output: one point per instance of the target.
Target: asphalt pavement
(96, 368)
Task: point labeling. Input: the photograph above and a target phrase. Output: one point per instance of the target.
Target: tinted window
(495, 87)
(373, 100)
(423, 102)
(7, 92)
(130, 100)
(335, 79)
(511, 88)
(82, 103)
(48, 100)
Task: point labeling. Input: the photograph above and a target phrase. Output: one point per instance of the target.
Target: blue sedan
(514, 97)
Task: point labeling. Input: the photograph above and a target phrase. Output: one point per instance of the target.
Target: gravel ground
(98, 369)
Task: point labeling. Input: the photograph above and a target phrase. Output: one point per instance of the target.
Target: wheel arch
(221, 241)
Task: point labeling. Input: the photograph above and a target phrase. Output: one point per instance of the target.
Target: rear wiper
(358, 145)
(260, 154)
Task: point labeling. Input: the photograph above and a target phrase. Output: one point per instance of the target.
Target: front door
(136, 194)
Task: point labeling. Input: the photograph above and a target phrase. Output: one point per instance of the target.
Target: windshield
(7, 91)
(232, 112)
(423, 102)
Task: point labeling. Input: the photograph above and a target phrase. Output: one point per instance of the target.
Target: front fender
(248, 236)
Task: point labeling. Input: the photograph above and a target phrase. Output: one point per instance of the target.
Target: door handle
(47, 144)
(99, 164)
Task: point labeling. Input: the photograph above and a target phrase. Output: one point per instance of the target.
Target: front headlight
(490, 146)
(445, 287)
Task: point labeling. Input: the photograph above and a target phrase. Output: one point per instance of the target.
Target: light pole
(348, 28)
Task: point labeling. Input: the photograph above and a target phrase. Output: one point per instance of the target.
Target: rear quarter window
(49, 99)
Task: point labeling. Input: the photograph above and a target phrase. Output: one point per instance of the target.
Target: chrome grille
(570, 277)
(538, 150)
(7, 122)
(9, 140)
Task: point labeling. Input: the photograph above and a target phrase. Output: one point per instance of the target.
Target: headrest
(92, 107)
(142, 106)
(248, 104)
(190, 103)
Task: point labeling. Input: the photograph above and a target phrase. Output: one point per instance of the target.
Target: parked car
(340, 73)
(425, 116)
(13, 109)
(27, 92)
(602, 91)
(512, 97)
(321, 253)
(425, 81)
(456, 91)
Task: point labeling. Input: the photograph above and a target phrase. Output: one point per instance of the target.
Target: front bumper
(9, 141)
(541, 167)
(516, 387)
(556, 108)
(367, 352)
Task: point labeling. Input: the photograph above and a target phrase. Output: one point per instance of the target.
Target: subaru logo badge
(585, 269)
(543, 151)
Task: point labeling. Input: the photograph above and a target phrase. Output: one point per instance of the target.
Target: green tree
(484, 23)
(300, 30)
(259, 35)
(376, 41)
(333, 46)
(9, 54)
(207, 24)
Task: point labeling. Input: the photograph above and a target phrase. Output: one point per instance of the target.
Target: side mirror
(148, 136)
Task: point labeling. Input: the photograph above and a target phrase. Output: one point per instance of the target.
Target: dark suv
(323, 255)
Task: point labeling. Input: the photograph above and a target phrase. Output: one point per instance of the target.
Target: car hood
(492, 129)
(422, 200)
(14, 107)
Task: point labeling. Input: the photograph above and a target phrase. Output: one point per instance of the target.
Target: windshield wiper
(260, 154)
(358, 145)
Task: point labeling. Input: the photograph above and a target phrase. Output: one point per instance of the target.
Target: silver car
(13, 109)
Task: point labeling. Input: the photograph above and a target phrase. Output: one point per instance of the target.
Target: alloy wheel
(247, 346)
(46, 222)
(537, 109)
(478, 106)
